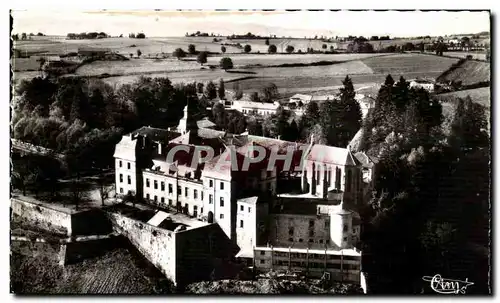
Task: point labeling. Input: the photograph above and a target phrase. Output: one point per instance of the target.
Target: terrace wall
(42, 216)
(156, 244)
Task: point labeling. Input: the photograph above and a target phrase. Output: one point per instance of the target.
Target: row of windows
(314, 265)
(121, 164)
(129, 179)
(242, 208)
(211, 184)
(304, 256)
(171, 189)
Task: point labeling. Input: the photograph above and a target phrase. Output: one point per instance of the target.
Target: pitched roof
(256, 105)
(125, 149)
(364, 159)
(250, 200)
(332, 155)
(205, 123)
(156, 134)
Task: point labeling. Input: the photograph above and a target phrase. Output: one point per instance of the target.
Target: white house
(420, 83)
(250, 107)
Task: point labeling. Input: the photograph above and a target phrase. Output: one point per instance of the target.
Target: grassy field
(277, 59)
(408, 63)
(479, 95)
(470, 72)
(136, 66)
(475, 55)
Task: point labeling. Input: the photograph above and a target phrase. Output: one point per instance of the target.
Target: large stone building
(216, 177)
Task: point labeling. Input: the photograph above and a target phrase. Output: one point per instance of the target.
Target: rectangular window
(318, 177)
(121, 190)
(128, 165)
(321, 241)
(262, 253)
(311, 233)
(262, 261)
(186, 192)
(170, 202)
(170, 188)
(195, 194)
(311, 240)
(353, 231)
(300, 240)
(162, 199)
(211, 183)
(222, 185)
(156, 198)
(290, 231)
(121, 163)
(121, 178)
(147, 196)
(221, 216)
(179, 191)
(345, 228)
(195, 211)
(221, 201)
(311, 223)
(201, 195)
(242, 207)
(129, 180)
(155, 184)
(201, 210)
(162, 186)
(249, 209)
(210, 199)
(326, 224)
(241, 223)
(348, 181)
(338, 173)
(147, 182)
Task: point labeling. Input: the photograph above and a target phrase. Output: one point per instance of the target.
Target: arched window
(210, 217)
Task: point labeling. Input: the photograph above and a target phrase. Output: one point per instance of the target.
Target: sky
(280, 23)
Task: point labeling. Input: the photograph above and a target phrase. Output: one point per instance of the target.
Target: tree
(290, 49)
(199, 87)
(247, 48)
(179, 53)
(270, 92)
(15, 37)
(210, 91)
(104, 190)
(272, 49)
(222, 90)
(219, 114)
(223, 49)
(140, 36)
(255, 97)
(192, 49)
(23, 36)
(139, 53)
(226, 63)
(202, 58)
(238, 92)
(468, 129)
(267, 41)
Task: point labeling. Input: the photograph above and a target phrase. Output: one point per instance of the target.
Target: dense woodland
(429, 211)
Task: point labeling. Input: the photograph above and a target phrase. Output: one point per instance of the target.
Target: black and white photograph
(250, 152)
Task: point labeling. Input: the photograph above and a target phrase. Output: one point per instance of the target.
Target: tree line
(431, 191)
(90, 35)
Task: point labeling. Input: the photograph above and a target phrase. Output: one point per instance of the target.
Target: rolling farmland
(251, 70)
